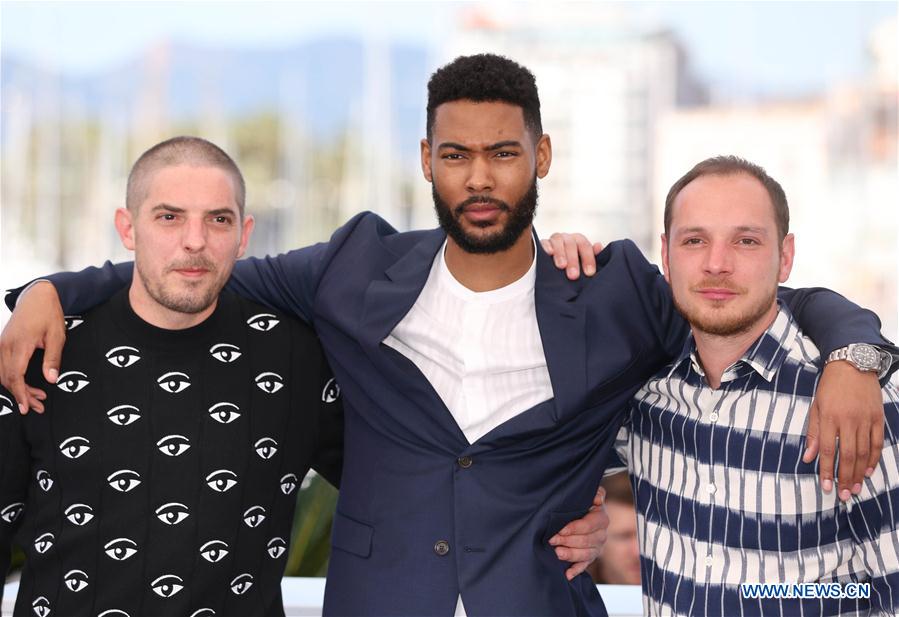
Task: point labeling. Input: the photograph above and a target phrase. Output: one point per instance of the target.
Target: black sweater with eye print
(163, 476)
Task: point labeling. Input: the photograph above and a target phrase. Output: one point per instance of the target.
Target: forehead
(191, 186)
(732, 199)
(467, 121)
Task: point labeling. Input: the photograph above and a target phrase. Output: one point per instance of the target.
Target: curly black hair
(485, 77)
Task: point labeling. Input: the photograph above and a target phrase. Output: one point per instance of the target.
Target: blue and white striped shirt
(723, 497)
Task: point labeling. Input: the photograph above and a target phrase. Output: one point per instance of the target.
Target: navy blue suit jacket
(403, 490)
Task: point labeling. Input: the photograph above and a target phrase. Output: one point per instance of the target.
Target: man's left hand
(581, 541)
(572, 253)
(848, 405)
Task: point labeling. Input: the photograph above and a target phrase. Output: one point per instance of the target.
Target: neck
(716, 353)
(486, 272)
(157, 315)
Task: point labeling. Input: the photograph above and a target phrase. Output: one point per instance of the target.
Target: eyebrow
(176, 210)
(509, 143)
(743, 228)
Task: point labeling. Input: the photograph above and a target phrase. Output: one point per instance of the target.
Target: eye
(174, 382)
(172, 513)
(276, 547)
(124, 480)
(72, 381)
(224, 352)
(5, 406)
(73, 321)
(43, 479)
(11, 512)
(263, 322)
(44, 542)
(41, 607)
(241, 584)
(221, 480)
(123, 415)
(288, 483)
(74, 447)
(214, 551)
(76, 580)
(123, 357)
(167, 585)
(120, 549)
(173, 445)
(269, 382)
(331, 391)
(266, 447)
(226, 413)
(79, 514)
(254, 516)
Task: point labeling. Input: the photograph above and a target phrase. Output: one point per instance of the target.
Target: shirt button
(713, 417)
(709, 561)
(464, 462)
(711, 489)
(441, 547)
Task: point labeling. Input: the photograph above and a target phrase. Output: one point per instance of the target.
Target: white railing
(303, 597)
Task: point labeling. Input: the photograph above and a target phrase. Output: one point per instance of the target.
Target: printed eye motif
(203, 612)
(72, 381)
(167, 585)
(266, 447)
(288, 483)
(225, 352)
(241, 584)
(73, 321)
(331, 391)
(79, 514)
(113, 612)
(263, 322)
(43, 479)
(221, 480)
(41, 607)
(123, 356)
(44, 542)
(124, 480)
(74, 447)
(276, 547)
(214, 551)
(172, 513)
(225, 413)
(5, 406)
(174, 382)
(123, 415)
(120, 549)
(254, 516)
(11, 512)
(76, 580)
(269, 382)
(173, 445)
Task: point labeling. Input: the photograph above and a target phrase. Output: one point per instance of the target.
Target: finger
(811, 434)
(575, 555)
(597, 248)
(862, 455)
(35, 404)
(588, 259)
(848, 441)
(589, 523)
(547, 246)
(826, 454)
(559, 256)
(600, 497)
(876, 448)
(55, 339)
(594, 539)
(19, 391)
(36, 393)
(571, 256)
(576, 569)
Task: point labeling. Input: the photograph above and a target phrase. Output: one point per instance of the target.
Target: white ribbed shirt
(481, 351)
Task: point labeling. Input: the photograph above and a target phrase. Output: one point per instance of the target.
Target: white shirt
(481, 351)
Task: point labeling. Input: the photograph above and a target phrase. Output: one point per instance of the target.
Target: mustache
(481, 199)
(718, 284)
(197, 262)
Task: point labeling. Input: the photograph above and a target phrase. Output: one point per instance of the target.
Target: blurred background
(322, 106)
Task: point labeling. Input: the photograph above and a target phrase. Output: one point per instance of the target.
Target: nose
(480, 176)
(718, 258)
(194, 238)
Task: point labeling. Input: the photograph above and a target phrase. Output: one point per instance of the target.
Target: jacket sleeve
(14, 465)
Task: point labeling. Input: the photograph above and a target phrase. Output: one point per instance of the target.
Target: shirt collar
(516, 288)
(765, 356)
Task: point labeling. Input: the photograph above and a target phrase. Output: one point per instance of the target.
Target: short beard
(520, 218)
(188, 303)
(736, 325)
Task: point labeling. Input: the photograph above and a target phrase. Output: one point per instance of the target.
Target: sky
(774, 46)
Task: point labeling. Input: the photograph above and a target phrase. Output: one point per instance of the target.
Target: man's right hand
(37, 322)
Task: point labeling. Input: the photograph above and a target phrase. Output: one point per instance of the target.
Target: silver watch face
(866, 357)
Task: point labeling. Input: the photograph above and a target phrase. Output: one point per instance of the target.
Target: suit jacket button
(464, 462)
(441, 547)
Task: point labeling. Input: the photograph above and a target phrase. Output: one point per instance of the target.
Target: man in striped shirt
(714, 441)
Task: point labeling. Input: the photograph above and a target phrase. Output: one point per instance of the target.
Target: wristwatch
(862, 356)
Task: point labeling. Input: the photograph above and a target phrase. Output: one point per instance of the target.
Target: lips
(717, 293)
(192, 272)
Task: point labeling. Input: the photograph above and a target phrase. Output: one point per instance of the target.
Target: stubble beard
(721, 325)
(196, 299)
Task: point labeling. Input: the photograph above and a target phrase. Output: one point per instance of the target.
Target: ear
(787, 252)
(124, 224)
(665, 258)
(426, 160)
(245, 230)
(544, 155)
